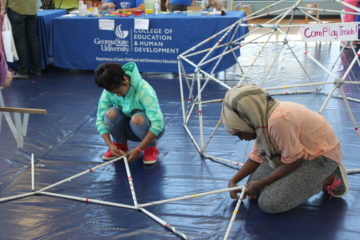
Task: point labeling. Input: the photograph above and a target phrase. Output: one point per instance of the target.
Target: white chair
(18, 126)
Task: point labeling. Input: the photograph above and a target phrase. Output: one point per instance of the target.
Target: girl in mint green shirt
(128, 110)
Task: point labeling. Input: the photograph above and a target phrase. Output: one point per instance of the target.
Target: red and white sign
(330, 32)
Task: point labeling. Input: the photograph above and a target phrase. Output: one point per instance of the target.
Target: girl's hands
(234, 194)
(253, 189)
(132, 155)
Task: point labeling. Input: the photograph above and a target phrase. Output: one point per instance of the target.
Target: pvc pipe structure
(254, 60)
(181, 90)
(309, 15)
(295, 92)
(213, 101)
(189, 113)
(192, 138)
(273, 25)
(131, 183)
(329, 10)
(200, 110)
(266, 8)
(189, 196)
(209, 38)
(351, 171)
(329, 96)
(286, 35)
(348, 5)
(222, 160)
(163, 223)
(217, 43)
(299, 85)
(265, 14)
(216, 80)
(87, 200)
(17, 196)
(289, 10)
(236, 210)
(350, 113)
(19, 131)
(212, 134)
(79, 174)
(32, 173)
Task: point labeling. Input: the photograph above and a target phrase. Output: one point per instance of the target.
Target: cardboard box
(194, 8)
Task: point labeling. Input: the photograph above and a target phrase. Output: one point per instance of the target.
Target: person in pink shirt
(5, 75)
(296, 152)
(350, 17)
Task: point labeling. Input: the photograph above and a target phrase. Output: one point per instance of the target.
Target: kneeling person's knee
(111, 113)
(137, 119)
(270, 206)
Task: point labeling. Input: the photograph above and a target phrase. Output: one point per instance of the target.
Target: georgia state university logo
(120, 33)
(114, 44)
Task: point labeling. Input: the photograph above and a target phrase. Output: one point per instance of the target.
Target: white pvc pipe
(87, 200)
(181, 90)
(200, 111)
(19, 132)
(295, 92)
(265, 14)
(236, 210)
(131, 183)
(212, 134)
(255, 59)
(348, 5)
(17, 196)
(222, 160)
(25, 123)
(329, 10)
(350, 113)
(355, 170)
(214, 79)
(299, 85)
(265, 8)
(163, 223)
(192, 138)
(189, 196)
(325, 103)
(32, 173)
(80, 174)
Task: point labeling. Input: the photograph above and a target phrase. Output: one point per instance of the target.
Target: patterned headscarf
(246, 108)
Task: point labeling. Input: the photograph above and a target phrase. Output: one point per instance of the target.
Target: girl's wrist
(137, 148)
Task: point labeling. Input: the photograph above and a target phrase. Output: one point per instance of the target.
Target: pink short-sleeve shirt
(298, 132)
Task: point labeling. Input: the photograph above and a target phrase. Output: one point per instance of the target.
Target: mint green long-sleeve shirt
(141, 96)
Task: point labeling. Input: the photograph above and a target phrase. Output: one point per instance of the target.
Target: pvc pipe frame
(107, 203)
(236, 210)
(209, 76)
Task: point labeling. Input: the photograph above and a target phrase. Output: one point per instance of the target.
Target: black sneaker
(36, 73)
(20, 76)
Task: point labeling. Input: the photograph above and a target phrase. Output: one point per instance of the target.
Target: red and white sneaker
(150, 155)
(339, 186)
(108, 155)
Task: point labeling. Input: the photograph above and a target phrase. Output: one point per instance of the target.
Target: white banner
(330, 32)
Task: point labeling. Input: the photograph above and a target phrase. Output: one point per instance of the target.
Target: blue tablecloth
(80, 44)
(44, 27)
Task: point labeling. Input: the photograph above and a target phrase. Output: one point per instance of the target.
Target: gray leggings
(290, 191)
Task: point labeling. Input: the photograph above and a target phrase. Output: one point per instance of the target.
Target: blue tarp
(65, 142)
